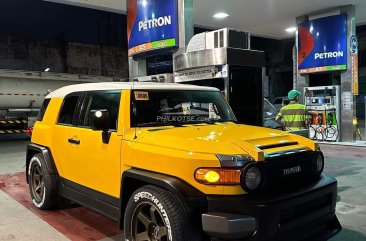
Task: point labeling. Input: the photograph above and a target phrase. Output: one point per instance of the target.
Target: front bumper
(304, 214)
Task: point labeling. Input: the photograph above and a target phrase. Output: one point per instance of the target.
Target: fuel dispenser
(324, 105)
(223, 59)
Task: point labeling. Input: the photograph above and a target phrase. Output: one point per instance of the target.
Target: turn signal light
(216, 176)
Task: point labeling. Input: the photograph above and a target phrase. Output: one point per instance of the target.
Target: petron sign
(152, 25)
(322, 44)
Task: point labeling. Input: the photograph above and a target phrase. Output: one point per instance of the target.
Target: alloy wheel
(37, 183)
(148, 224)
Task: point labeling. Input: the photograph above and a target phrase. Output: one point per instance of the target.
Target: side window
(68, 109)
(43, 109)
(101, 100)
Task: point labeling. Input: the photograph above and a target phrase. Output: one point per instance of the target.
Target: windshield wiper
(156, 123)
(233, 121)
(213, 121)
(180, 124)
(210, 122)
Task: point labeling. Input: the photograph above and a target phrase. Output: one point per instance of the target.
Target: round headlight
(251, 178)
(320, 163)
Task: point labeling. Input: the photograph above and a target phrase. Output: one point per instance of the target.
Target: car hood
(223, 138)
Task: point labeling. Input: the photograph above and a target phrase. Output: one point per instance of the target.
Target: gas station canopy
(266, 18)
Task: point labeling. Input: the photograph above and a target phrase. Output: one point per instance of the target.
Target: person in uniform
(294, 115)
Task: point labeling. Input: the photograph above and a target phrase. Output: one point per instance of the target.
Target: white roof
(62, 92)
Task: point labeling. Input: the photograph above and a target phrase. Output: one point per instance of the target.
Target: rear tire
(42, 184)
(154, 214)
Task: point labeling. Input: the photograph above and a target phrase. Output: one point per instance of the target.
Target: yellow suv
(169, 162)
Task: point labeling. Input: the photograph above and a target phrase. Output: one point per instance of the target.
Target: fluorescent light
(221, 15)
(144, 3)
(291, 29)
(47, 69)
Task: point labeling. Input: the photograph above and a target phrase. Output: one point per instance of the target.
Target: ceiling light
(47, 69)
(221, 15)
(291, 29)
(144, 3)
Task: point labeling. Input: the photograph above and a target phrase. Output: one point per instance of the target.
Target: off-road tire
(42, 184)
(172, 216)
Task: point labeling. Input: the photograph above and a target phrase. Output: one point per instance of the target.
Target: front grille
(293, 169)
(305, 208)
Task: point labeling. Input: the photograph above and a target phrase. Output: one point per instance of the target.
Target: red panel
(131, 16)
(307, 44)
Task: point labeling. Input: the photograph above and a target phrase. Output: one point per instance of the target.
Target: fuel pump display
(323, 102)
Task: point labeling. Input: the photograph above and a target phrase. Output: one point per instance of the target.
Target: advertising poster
(322, 44)
(210, 72)
(354, 64)
(151, 25)
(354, 74)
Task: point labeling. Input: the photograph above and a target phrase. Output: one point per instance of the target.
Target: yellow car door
(93, 164)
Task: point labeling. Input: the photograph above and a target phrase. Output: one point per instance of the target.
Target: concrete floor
(347, 164)
(13, 214)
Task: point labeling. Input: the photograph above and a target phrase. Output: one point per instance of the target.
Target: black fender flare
(33, 149)
(133, 179)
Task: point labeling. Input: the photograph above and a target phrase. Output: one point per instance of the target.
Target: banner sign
(151, 25)
(210, 72)
(322, 44)
(354, 74)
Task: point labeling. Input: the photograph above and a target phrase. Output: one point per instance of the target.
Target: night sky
(36, 19)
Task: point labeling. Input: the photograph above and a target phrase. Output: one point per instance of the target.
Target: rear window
(68, 109)
(43, 109)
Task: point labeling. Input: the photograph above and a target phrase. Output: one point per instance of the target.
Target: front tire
(154, 214)
(42, 184)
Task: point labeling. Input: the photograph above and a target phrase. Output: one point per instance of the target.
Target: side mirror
(99, 121)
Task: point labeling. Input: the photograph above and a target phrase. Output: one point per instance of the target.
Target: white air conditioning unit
(222, 38)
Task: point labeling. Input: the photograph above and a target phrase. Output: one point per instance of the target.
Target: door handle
(74, 141)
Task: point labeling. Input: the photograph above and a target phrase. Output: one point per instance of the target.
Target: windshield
(177, 107)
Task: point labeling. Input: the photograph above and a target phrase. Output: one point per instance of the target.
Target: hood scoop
(277, 145)
(257, 147)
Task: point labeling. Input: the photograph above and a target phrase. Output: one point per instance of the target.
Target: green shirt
(295, 116)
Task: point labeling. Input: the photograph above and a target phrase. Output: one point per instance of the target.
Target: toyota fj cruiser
(169, 162)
